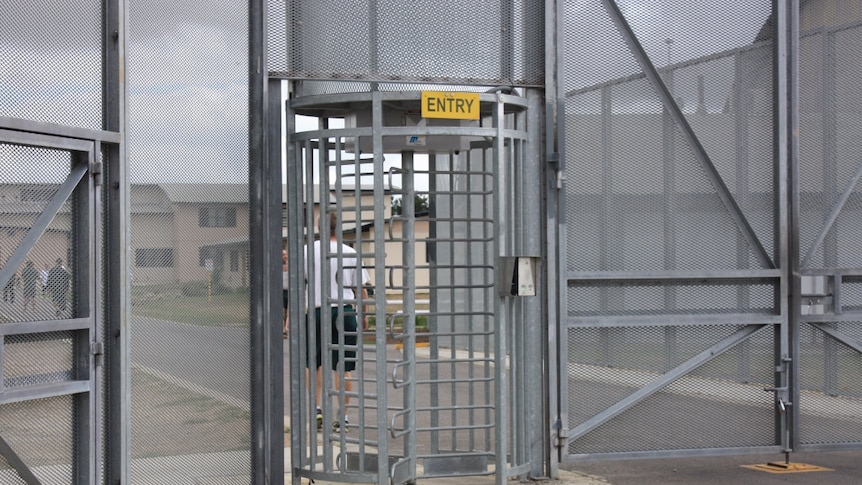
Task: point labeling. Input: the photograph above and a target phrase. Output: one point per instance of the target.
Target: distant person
(29, 276)
(9, 289)
(43, 276)
(348, 272)
(58, 286)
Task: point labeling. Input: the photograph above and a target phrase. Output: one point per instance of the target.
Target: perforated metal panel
(189, 242)
(52, 62)
(671, 229)
(494, 43)
(829, 205)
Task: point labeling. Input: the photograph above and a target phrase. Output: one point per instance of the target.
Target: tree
(420, 204)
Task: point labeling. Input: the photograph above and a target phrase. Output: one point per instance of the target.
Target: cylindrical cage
(419, 213)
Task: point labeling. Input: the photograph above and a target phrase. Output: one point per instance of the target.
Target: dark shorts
(349, 335)
(285, 297)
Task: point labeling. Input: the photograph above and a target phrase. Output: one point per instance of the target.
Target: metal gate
(711, 284)
(51, 350)
(435, 391)
(676, 335)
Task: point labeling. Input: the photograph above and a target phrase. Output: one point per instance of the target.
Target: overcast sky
(187, 74)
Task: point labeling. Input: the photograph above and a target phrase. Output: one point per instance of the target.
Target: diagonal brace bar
(17, 463)
(839, 336)
(839, 204)
(35, 232)
(688, 133)
(664, 381)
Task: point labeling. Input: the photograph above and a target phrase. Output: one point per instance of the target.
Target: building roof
(206, 193)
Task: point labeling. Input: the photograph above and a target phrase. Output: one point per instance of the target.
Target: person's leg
(348, 362)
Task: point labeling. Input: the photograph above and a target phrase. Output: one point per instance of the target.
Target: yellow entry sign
(450, 105)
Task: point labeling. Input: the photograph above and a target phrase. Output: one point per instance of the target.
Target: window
(154, 257)
(217, 217)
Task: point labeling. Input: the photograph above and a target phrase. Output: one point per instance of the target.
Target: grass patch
(175, 303)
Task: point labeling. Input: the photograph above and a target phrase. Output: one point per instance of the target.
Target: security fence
(652, 213)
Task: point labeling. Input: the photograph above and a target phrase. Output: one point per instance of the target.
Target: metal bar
(86, 406)
(112, 134)
(295, 192)
(677, 320)
(75, 175)
(41, 391)
(787, 143)
(663, 381)
(833, 216)
(23, 328)
(690, 452)
(502, 247)
(839, 336)
(706, 276)
(45, 141)
(17, 463)
(116, 217)
(688, 133)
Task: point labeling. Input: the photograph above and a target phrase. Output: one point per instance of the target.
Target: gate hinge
(561, 437)
(96, 172)
(559, 177)
(97, 349)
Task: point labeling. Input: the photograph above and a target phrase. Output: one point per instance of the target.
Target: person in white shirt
(346, 276)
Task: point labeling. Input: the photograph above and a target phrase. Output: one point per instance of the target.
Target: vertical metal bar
(434, 200)
(82, 306)
(117, 350)
(787, 144)
(95, 287)
(787, 247)
(532, 230)
(296, 191)
(501, 248)
(264, 161)
(379, 258)
(554, 148)
(408, 280)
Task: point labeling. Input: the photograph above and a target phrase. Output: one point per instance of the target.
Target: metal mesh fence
(52, 66)
(670, 173)
(829, 170)
(40, 433)
(829, 157)
(32, 179)
(189, 226)
(628, 162)
(830, 392)
(394, 41)
(719, 404)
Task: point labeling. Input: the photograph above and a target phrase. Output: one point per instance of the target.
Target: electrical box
(816, 295)
(518, 275)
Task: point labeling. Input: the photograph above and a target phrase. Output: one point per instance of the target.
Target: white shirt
(346, 271)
